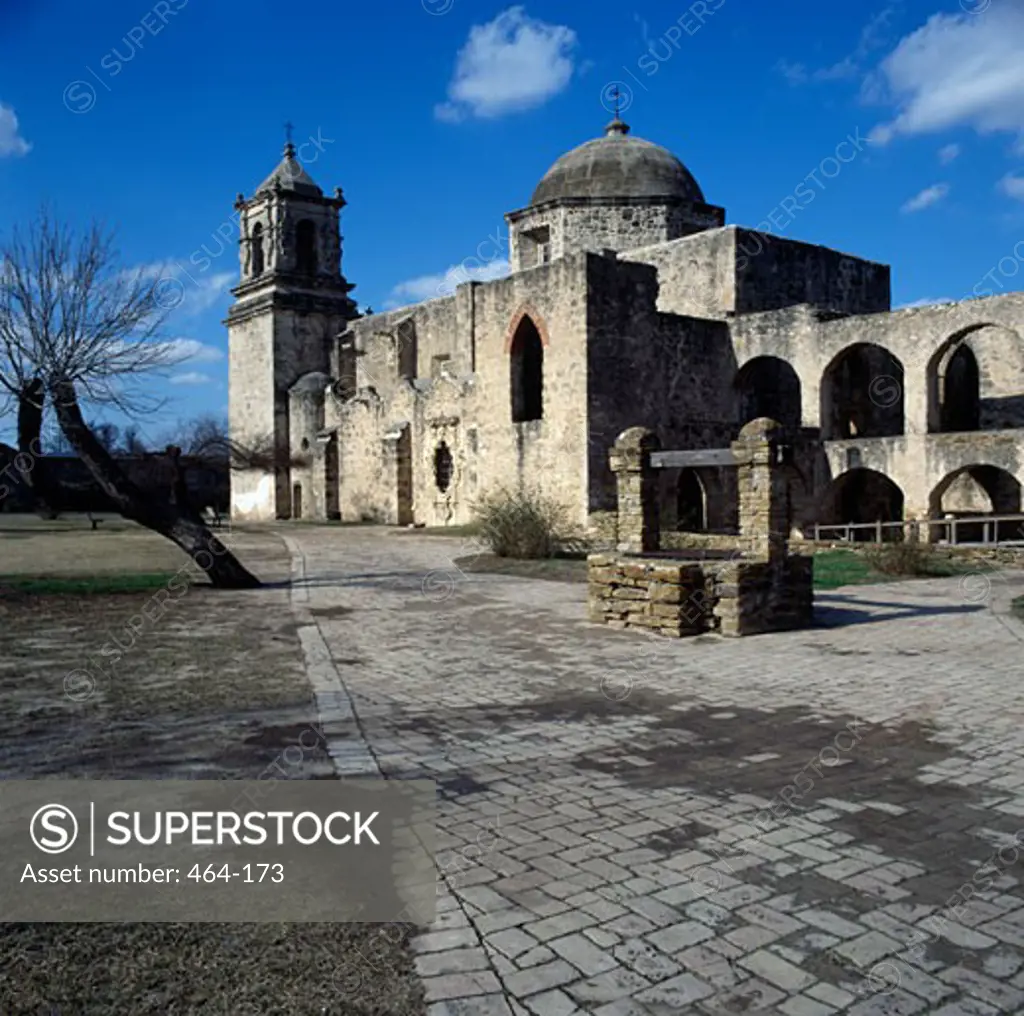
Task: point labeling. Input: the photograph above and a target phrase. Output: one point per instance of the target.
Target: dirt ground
(197, 684)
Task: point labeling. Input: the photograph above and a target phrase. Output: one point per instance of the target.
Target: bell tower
(290, 305)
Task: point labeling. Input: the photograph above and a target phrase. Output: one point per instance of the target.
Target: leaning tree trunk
(37, 477)
(182, 527)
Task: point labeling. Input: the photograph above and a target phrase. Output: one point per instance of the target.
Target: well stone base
(678, 598)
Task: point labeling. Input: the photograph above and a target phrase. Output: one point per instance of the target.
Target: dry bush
(521, 524)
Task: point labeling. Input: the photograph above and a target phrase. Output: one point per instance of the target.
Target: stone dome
(618, 166)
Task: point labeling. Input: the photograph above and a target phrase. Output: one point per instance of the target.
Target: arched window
(527, 373)
(862, 394)
(443, 467)
(257, 250)
(955, 387)
(767, 386)
(305, 247)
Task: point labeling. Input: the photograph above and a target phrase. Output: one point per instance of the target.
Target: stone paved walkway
(809, 823)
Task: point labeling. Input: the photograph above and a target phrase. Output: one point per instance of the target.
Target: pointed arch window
(527, 373)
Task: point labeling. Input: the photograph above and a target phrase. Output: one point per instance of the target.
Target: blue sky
(438, 116)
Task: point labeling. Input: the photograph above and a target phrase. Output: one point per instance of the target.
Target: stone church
(629, 303)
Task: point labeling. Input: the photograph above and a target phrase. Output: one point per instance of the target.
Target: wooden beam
(693, 459)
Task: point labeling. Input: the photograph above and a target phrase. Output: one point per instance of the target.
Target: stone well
(756, 587)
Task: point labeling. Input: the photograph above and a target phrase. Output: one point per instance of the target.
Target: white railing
(993, 530)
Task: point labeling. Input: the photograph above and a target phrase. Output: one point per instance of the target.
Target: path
(637, 827)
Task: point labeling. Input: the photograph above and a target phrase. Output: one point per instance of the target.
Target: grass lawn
(210, 685)
(832, 568)
(82, 585)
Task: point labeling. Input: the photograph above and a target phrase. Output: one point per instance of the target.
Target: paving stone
(774, 920)
(750, 995)
(676, 993)
(895, 1003)
(775, 970)
(750, 937)
(801, 1005)
(610, 986)
(831, 923)
(830, 995)
(542, 954)
(559, 925)
(454, 961)
(540, 978)
(642, 957)
(450, 986)
(478, 1005)
(987, 989)
(868, 948)
(583, 954)
(440, 941)
(514, 916)
(512, 942)
(681, 936)
(602, 938)
(551, 1003)
(966, 1007)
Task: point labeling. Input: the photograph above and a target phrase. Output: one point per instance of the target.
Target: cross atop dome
(618, 125)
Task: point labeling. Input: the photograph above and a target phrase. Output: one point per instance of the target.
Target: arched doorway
(526, 367)
(861, 496)
(691, 503)
(971, 492)
(768, 386)
(862, 394)
(297, 501)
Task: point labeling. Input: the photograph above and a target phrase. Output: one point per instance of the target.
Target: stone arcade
(629, 303)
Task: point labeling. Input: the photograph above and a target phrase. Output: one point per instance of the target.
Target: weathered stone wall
(912, 342)
(628, 337)
(774, 272)
(717, 273)
(596, 225)
(466, 403)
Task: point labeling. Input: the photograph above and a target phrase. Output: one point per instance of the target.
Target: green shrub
(521, 524)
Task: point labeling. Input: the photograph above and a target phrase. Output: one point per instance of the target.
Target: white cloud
(430, 287)
(512, 63)
(927, 301)
(11, 142)
(871, 37)
(191, 351)
(191, 377)
(1012, 186)
(186, 292)
(926, 198)
(947, 153)
(956, 70)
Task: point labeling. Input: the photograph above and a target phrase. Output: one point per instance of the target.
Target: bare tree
(75, 328)
(132, 442)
